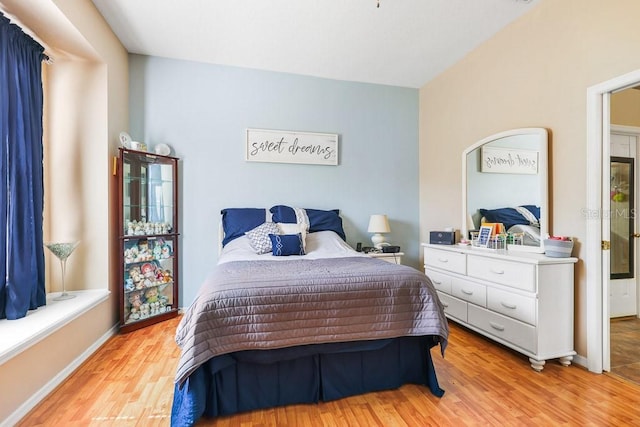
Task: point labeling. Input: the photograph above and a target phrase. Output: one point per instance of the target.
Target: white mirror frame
(543, 173)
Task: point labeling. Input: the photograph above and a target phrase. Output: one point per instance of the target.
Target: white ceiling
(401, 43)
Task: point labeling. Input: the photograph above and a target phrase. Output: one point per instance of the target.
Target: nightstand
(395, 258)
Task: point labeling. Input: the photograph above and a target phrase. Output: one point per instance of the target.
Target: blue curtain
(21, 191)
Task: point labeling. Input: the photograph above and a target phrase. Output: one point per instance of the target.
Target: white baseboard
(31, 403)
(580, 360)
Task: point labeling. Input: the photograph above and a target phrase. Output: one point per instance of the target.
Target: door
(623, 283)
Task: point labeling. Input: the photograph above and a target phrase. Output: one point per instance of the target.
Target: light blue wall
(203, 110)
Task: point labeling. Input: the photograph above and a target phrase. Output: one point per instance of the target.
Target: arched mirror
(504, 180)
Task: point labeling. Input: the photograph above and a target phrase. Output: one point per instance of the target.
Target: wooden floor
(625, 340)
(129, 382)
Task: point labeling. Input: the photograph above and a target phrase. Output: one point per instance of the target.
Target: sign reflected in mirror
(509, 160)
(505, 181)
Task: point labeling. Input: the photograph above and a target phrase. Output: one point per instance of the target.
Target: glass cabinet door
(148, 199)
(148, 277)
(149, 240)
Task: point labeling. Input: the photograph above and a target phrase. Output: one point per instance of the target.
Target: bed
(292, 314)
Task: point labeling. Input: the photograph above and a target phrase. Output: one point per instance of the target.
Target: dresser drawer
(517, 306)
(516, 275)
(450, 261)
(506, 328)
(441, 281)
(469, 291)
(453, 307)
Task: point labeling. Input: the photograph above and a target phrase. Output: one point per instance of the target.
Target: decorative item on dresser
(522, 300)
(148, 249)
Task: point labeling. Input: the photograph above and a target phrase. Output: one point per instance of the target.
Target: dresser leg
(537, 365)
(566, 360)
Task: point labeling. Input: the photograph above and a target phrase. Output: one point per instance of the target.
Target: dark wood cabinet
(148, 241)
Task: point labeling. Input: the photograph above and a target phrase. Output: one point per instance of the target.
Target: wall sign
(509, 160)
(281, 146)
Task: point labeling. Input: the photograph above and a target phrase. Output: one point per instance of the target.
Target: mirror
(622, 218)
(504, 179)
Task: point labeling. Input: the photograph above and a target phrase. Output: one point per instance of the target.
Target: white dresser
(522, 300)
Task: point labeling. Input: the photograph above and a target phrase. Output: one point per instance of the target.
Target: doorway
(598, 232)
(624, 324)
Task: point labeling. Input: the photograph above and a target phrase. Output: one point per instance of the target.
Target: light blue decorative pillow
(286, 244)
(259, 237)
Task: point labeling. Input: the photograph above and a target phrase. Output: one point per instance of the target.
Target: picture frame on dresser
(484, 235)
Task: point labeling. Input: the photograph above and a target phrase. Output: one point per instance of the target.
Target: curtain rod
(47, 49)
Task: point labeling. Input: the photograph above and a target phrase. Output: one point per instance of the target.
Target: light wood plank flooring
(129, 382)
(625, 346)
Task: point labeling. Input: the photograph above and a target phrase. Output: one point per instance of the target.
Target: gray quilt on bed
(249, 305)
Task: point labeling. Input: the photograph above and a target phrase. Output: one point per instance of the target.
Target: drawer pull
(464, 291)
(510, 306)
(436, 282)
(445, 305)
(443, 260)
(497, 271)
(496, 326)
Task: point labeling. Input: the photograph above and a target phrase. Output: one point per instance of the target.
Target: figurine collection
(145, 277)
(140, 228)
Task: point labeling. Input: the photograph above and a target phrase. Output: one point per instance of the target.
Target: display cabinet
(148, 250)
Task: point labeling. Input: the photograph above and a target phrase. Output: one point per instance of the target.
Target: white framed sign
(281, 146)
(509, 160)
(484, 236)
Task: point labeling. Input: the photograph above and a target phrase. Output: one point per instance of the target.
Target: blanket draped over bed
(242, 307)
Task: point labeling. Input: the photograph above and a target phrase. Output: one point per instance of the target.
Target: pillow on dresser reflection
(511, 216)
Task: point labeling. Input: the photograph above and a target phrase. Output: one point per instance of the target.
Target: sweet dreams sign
(278, 146)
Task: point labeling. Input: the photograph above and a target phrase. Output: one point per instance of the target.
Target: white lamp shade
(379, 224)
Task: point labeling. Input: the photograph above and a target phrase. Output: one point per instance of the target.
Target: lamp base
(378, 241)
(63, 296)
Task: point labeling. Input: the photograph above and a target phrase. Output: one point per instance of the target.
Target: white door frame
(598, 124)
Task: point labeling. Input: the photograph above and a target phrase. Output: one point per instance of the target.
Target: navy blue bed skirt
(249, 380)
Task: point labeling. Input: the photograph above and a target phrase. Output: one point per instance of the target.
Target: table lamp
(378, 224)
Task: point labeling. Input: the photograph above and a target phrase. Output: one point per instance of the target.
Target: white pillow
(286, 228)
(259, 237)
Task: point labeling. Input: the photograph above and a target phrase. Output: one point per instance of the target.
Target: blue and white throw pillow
(286, 244)
(259, 237)
(294, 229)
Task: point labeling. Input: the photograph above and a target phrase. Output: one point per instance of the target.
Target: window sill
(19, 335)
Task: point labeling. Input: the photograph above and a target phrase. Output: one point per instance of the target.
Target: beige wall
(534, 73)
(625, 108)
(86, 90)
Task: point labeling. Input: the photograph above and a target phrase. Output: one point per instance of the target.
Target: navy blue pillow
(282, 213)
(237, 221)
(535, 210)
(325, 220)
(286, 244)
(319, 220)
(508, 216)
